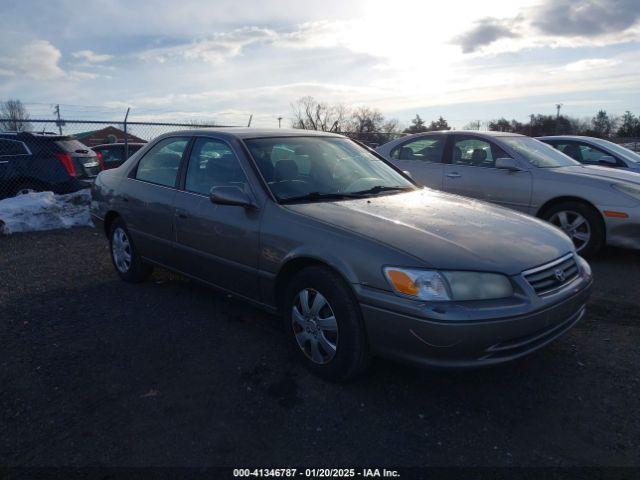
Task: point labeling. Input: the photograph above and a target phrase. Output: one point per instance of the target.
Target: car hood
(447, 231)
(607, 173)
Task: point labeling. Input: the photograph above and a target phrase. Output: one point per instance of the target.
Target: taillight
(100, 160)
(67, 162)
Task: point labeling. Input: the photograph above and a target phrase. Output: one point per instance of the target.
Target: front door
(422, 157)
(472, 173)
(216, 243)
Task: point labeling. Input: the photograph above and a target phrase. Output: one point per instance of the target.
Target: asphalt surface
(94, 371)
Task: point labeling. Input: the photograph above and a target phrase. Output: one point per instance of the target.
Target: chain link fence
(64, 156)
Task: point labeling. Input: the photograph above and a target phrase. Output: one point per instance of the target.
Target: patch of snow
(44, 211)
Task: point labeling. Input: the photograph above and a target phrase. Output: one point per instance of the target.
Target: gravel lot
(98, 372)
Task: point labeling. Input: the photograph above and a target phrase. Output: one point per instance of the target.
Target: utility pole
(279, 122)
(250, 118)
(59, 122)
(531, 117)
(126, 135)
(558, 107)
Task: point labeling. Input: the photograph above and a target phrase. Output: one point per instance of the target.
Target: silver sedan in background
(593, 205)
(595, 151)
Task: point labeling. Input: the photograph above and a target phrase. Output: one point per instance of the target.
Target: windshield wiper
(320, 196)
(382, 188)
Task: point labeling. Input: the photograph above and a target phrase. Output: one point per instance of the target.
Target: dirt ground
(94, 371)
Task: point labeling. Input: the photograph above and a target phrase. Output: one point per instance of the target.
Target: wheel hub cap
(574, 225)
(314, 325)
(121, 250)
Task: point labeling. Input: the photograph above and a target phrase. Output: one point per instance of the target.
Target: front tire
(324, 325)
(581, 222)
(124, 255)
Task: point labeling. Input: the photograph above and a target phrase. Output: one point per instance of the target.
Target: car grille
(553, 275)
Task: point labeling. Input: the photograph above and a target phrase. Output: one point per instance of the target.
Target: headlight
(629, 189)
(448, 285)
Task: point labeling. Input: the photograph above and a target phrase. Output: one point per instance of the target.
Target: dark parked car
(357, 258)
(113, 154)
(38, 162)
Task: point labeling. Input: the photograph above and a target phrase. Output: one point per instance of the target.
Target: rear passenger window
(424, 149)
(160, 164)
(212, 164)
(11, 147)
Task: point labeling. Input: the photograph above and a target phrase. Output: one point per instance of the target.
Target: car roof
(476, 133)
(33, 135)
(119, 144)
(248, 132)
(567, 137)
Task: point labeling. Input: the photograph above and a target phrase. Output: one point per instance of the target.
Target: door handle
(181, 214)
(453, 175)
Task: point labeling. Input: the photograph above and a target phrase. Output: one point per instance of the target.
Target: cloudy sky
(226, 59)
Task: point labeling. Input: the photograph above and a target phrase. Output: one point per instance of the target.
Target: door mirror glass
(607, 160)
(506, 163)
(230, 196)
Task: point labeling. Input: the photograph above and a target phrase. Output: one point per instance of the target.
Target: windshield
(618, 149)
(537, 153)
(316, 168)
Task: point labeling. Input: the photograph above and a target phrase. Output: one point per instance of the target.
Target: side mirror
(507, 164)
(231, 196)
(408, 174)
(607, 160)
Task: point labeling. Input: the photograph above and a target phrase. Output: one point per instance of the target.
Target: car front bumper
(623, 232)
(470, 337)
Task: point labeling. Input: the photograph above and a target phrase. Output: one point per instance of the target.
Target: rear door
(422, 157)
(217, 243)
(147, 197)
(472, 173)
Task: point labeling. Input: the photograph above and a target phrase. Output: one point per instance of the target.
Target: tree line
(370, 125)
(600, 125)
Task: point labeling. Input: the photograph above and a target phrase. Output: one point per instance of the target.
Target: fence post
(126, 136)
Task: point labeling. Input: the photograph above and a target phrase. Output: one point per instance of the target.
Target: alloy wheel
(121, 250)
(574, 225)
(314, 325)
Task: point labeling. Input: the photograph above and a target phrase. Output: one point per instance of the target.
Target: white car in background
(595, 151)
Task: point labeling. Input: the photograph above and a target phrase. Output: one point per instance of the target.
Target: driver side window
(212, 163)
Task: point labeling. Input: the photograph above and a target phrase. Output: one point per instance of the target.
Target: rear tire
(581, 222)
(124, 255)
(327, 334)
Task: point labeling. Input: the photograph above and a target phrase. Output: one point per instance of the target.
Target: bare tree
(369, 125)
(14, 116)
(309, 114)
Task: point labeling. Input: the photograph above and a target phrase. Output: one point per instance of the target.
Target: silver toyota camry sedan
(358, 259)
(593, 205)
